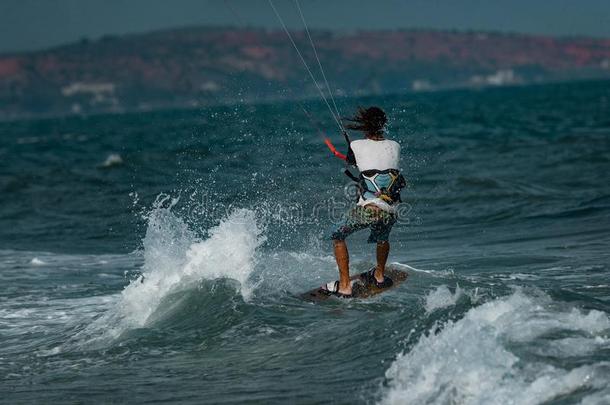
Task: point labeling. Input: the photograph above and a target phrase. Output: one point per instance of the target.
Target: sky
(38, 24)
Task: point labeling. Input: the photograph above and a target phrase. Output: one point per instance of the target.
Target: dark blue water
(159, 256)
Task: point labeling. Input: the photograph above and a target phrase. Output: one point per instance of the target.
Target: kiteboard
(360, 287)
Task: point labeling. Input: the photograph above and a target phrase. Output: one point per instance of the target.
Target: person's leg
(354, 222)
(383, 250)
(380, 233)
(342, 258)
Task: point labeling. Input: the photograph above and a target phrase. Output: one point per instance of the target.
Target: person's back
(376, 154)
(376, 160)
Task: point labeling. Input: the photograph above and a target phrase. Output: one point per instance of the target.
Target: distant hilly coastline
(202, 66)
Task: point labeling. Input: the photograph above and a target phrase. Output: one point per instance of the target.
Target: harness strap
(351, 176)
(391, 193)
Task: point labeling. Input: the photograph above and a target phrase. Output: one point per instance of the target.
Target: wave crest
(488, 357)
(176, 261)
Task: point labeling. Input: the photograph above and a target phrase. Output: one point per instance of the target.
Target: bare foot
(345, 289)
(379, 274)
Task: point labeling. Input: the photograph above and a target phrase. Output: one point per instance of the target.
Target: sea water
(159, 256)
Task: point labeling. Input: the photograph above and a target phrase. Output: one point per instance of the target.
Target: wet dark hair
(371, 120)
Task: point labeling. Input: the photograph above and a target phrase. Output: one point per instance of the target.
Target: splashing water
(442, 297)
(474, 360)
(175, 260)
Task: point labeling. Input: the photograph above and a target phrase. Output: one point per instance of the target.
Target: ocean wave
(176, 261)
(491, 356)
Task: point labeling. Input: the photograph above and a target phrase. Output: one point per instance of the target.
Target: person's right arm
(351, 158)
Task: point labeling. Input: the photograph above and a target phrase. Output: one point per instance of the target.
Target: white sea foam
(48, 315)
(434, 273)
(442, 297)
(473, 360)
(174, 260)
(113, 159)
(37, 262)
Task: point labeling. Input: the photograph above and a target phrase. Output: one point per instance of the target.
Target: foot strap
(369, 277)
(332, 288)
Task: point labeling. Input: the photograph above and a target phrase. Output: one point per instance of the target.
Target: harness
(382, 184)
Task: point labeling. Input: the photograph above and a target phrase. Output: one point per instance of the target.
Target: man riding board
(379, 184)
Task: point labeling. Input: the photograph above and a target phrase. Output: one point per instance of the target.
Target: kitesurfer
(379, 185)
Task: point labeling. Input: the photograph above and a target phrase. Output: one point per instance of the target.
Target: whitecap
(474, 361)
(37, 262)
(175, 260)
(113, 159)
